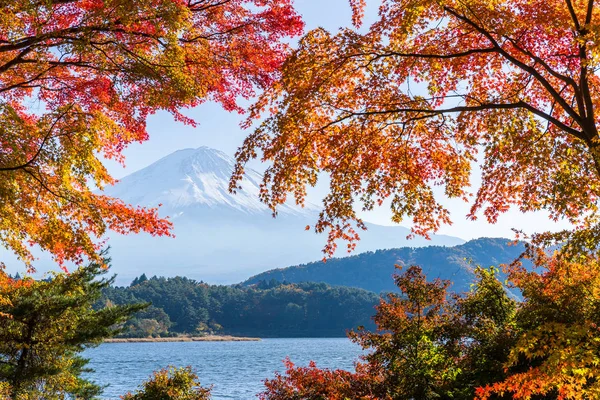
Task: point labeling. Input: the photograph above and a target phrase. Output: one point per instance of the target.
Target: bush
(171, 384)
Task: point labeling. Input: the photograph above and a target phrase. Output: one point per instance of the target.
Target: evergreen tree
(46, 324)
(141, 279)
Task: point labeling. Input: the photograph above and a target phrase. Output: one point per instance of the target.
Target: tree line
(268, 309)
(372, 270)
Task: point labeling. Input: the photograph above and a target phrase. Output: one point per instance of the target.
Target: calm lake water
(235, 369)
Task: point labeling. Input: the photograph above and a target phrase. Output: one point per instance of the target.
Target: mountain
(222, 237)
(197, 180)
(373, 270)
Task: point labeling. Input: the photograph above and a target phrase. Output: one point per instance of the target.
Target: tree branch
(590, 12)
(41, 147)
(440, 56)
(481, 107)
(574, 14)
(521, 65)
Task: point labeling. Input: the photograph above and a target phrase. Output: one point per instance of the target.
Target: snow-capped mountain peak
(192, 179)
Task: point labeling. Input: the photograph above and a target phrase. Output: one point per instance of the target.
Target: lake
(235, 369)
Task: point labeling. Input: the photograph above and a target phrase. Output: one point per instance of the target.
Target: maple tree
(556, 355)
(312, 383)
(431, 87)
(428, 345)
(78, 78)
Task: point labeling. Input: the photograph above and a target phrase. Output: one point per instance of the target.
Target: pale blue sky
(220, 130)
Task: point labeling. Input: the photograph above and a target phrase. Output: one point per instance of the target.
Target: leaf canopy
(432, 87)
(78, 78)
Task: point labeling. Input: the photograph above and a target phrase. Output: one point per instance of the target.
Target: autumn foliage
(557, 354)
(171, 384)
(401, 111)
(481, 344)
(391, 112)
(411, 102)
(312, 383)
(78, 78)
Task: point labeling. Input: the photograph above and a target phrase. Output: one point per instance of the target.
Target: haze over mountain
(373, 270)
(221, 237)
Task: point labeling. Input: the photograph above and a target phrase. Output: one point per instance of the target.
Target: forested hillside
(373, 270)
(288, 302)
(184, 306)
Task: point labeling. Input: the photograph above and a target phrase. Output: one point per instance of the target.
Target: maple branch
(482, 107)
(573, 14)
(550, 113)
(45, 187)
(41, 147)
(66, 34)
(26, 83)
(584, 71)
(590, 11)
(567, 79)
(583, 80)
(17, 60)
(579, 97)
(213, 34)
(193, 6)
(518, 63)
(440, 56)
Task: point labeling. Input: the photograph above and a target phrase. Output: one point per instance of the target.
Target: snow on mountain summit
(196, 178)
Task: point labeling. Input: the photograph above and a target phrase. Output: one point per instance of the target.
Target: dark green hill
(373, 270)
(184, 306)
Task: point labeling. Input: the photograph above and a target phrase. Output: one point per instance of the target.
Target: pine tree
(46, 324)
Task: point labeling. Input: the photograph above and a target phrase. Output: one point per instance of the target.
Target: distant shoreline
(209, 338)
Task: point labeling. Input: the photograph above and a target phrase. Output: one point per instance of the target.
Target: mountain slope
(222, 237)
(373, 270)
(197, 178)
